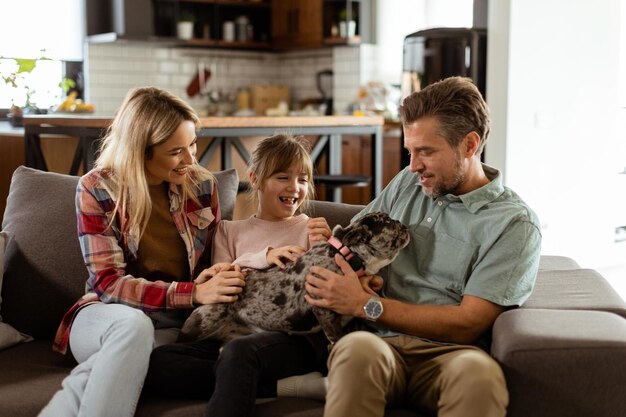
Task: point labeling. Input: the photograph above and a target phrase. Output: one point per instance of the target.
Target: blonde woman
(146, 216)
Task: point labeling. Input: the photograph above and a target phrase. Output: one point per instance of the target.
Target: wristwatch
(373, 308)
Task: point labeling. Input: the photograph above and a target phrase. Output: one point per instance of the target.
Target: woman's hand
(209, 273)
(318, 230)
(223, 287)
(275, 256)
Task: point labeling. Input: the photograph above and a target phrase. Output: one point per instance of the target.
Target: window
(34, 29)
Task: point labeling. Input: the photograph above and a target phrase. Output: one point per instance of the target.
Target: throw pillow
(227, 186)
(8, 335)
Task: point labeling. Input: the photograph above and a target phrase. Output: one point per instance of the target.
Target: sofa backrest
(334, 213)
(44, 270)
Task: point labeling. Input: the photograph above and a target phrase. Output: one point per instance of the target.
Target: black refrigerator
(433, 54)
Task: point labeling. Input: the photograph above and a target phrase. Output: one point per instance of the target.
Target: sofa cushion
(575, 289)
(4, 239)
(44, 269)
(31, 374)
(227, 186)
(8, 335)
(563, 362)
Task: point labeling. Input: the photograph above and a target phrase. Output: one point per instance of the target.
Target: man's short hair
(458, 106)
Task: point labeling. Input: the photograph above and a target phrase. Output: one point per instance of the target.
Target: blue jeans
(246, 368)
(112, 344)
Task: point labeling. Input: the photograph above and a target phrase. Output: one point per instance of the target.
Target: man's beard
(448, 186)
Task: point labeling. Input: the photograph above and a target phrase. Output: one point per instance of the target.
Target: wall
(112, 69)
(558, 134)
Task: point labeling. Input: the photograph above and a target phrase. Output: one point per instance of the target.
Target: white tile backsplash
(113, 69)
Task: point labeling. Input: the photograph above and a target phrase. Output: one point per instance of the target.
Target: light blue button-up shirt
(485, 243)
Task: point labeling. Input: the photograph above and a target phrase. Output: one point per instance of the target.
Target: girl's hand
(371, 283)
(277, 255)
(318, 230)
(224, 287)
(209, 273)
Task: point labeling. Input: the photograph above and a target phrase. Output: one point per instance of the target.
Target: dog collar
(353, 259)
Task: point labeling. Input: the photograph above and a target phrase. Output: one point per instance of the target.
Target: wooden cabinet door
(296, 24)
(282, 23)
(308, 18)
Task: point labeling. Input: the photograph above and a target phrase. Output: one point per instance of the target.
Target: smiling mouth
(288, 200)
(425, 177)
(181, 170)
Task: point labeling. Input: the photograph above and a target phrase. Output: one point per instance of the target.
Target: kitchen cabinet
(296, 24)
(209, 18)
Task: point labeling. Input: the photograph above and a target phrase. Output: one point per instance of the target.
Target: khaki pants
(367, 373)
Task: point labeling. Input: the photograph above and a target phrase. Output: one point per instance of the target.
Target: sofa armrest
(562, 362)
(552, 262)
(575, 289)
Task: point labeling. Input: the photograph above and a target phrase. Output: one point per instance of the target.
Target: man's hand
(278, 255)
(223, 287)
(318, 230)
(340, 293)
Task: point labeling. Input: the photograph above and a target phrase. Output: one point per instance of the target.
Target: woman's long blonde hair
(147, 117)
(276, 154)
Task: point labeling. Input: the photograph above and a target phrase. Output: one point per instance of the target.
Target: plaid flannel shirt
(107, 249)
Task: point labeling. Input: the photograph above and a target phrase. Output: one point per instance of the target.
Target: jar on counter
(243, 99)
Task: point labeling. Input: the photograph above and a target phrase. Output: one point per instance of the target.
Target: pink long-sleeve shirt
(246, 242)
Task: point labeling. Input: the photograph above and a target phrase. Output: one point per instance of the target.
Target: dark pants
(246, 368)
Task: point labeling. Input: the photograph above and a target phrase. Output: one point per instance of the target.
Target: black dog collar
(353, 259)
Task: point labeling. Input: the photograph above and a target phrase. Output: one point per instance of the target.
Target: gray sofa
(563, 352)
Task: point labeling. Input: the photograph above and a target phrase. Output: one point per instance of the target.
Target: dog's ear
(375, 221)
(338, 231)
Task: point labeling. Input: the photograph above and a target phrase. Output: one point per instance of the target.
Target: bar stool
(333, 182)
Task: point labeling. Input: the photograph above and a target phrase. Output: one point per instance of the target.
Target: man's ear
(470, 143)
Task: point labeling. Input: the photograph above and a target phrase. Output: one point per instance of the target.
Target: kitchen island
(226, 133)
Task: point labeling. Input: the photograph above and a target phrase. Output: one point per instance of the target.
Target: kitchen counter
(6, 129)
(97, 121)
(226, 133)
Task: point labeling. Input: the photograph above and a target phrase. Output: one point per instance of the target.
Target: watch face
(373, 309)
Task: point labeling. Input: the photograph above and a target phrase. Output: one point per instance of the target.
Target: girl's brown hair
(276, 154)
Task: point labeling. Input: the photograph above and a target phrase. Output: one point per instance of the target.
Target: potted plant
(16, 79)
(184, 26)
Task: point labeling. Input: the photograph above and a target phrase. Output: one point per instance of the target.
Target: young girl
(281, 175)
